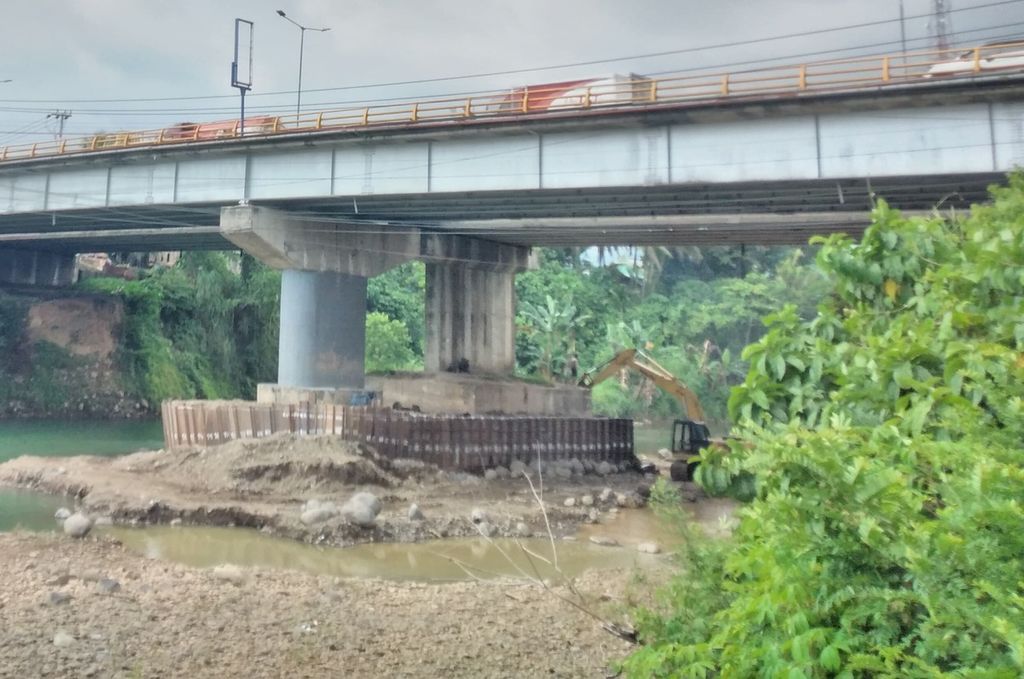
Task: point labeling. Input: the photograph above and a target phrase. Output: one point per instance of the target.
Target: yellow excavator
(689, 435)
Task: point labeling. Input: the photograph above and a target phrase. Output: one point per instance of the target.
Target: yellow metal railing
(769, 82)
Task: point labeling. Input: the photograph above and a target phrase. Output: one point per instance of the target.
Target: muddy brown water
(439, 560)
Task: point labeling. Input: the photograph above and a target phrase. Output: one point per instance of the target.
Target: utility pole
(903, 29)
(60, 116)
(941, 24)
(302, 44)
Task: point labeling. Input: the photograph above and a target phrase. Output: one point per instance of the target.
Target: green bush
(198, 329)
(388, 347)
(884, 447)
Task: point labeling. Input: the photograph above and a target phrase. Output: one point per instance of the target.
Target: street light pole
(302, 45)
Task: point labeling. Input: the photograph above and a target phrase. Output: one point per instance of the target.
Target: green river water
(59, 438)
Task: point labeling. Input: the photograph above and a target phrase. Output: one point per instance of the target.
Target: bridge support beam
(37, 268)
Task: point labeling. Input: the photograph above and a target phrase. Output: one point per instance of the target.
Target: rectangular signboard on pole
(241, 66)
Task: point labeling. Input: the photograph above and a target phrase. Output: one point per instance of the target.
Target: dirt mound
(284, 464)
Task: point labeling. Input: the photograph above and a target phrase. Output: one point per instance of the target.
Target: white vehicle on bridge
(990, 57)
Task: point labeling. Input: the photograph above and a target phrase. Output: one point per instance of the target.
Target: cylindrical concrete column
(323, 330)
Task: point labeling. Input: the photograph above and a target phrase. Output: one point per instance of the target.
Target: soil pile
(283, 466)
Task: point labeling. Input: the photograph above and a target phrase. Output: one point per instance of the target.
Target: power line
(591, 62)
(273, 109)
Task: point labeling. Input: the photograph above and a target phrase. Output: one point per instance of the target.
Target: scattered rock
(606, 495)
(60, 580)
(603, 468)
(415, 513)
(62, 639)
(517, 468)
(522, 530)
(318, 515)
(229, 573)
(478, 515)
(486, 529)
(490, 475)
(588, 466)
(369, 499)
(629, 500)
(362, 509)
(176, 522)
(665, 453)
(77, 525)
(103, 521)
(587, 500)
(644, 490)
(62, 514)
(570, 502)
(604, 541)
(58, 598)
(577, 467)
(649, 548)
(109, 585)
(648, 468)
(593, 516)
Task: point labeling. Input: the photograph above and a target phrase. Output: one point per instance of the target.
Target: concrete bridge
(469, 190)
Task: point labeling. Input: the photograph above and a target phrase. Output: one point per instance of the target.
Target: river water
(439, 560)
(60, 438)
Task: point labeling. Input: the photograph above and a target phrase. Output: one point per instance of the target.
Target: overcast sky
(66, 54)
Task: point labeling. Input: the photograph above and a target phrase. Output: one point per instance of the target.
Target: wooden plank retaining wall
(467, 442)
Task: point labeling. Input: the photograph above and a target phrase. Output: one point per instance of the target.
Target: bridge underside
(690, 214)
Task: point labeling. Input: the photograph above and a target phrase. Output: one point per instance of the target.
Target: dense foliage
(694, 315)
(883, 451)
(205, 328)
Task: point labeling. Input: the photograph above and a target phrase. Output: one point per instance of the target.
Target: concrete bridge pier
(38, 268)
(470, 320)
(323, 330)
(470, 302)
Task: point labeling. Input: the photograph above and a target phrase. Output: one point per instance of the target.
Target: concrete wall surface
(456, 393)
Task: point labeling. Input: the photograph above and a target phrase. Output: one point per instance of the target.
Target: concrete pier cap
(470, 294)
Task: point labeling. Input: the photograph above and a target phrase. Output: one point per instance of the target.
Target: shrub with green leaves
(884, 449)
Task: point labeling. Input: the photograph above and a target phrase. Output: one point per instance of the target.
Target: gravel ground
(90, 608)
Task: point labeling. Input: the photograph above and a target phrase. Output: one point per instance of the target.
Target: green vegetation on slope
(198, 329)
(885, 463)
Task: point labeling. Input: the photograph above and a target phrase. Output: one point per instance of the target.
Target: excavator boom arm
(650, 369)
